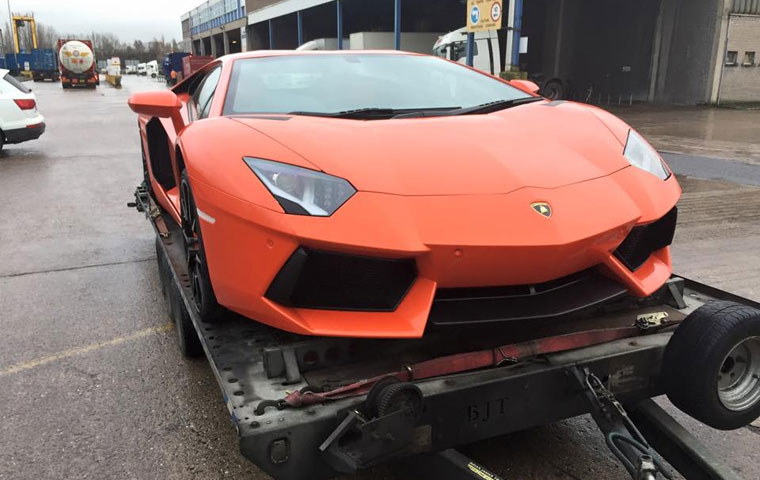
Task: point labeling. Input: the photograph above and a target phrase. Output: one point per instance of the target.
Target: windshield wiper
(496, 105)
(376, 112)
(355, 113)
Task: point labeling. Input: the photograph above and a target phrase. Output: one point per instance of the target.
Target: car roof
(285, 53)
(3, 72)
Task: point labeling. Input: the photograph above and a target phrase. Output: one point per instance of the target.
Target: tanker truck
(76, 61)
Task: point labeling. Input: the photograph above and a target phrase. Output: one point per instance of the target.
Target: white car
(19, 119)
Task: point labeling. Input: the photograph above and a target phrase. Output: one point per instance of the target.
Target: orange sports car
(374, 193)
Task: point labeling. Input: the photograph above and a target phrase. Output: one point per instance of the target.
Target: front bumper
(455, 242)
(31, 132)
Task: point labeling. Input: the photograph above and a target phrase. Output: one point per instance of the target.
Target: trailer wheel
(553, 90)
(711, 366)
(187, 337)
(204, 298)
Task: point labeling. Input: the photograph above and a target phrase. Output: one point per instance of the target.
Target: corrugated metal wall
(749, 7)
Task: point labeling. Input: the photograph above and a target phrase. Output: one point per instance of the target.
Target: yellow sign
(484, 15)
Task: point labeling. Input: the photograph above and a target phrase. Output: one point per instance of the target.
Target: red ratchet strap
(464, 362)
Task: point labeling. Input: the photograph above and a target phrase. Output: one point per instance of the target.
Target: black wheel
(711, 366)
(187, 337)
(2, 140)
(553, 90)
(203, 293)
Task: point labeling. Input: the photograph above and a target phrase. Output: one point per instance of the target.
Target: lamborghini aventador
(374, 193)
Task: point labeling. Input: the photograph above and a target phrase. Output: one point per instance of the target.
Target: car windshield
(335, 83)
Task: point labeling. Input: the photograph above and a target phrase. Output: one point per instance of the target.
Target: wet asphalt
(92, 384)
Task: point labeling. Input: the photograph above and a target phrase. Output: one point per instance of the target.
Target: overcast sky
(128, 19)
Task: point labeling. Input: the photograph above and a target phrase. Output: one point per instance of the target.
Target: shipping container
(44, 65)
(192, 63)
(18, 62)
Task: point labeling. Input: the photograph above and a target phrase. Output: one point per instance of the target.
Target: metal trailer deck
(254, 363)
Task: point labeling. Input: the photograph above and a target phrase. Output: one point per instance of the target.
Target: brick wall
(741, 83)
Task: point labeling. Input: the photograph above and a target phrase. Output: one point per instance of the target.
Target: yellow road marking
(20, 367)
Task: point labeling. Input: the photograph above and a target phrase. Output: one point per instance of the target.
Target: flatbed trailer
(257, 366)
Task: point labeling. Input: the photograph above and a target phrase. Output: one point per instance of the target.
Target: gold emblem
(542, 208)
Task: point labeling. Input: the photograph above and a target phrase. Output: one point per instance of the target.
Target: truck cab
(141, 69)
(151, 69)
(487, 55)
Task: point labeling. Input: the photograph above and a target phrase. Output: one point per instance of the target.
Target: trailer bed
(254, 363)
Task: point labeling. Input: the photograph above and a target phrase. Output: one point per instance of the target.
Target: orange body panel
(452, 193)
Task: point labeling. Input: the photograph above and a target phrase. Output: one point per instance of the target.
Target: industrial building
(601, 51)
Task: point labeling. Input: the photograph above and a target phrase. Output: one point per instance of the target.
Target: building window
(731, 57)
(749, 59)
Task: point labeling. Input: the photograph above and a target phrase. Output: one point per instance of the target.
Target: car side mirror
(161, 104)
(525, 86)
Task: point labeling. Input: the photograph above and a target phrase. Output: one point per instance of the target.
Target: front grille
(337, 281)
(551, 299)
(646, 239)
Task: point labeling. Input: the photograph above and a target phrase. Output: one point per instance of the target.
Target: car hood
(544, 145)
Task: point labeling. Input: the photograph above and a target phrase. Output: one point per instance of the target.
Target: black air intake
(556, 298)
(643, 240)
(337, 281)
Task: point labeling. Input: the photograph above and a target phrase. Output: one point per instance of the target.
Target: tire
(204, 298)
(187, 338)
(2, 141)
(553, 90)
(711, 366)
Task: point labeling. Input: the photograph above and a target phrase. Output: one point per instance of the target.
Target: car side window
(202, 98)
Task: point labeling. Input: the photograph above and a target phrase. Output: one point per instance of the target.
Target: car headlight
(301, 191)
(640, 154)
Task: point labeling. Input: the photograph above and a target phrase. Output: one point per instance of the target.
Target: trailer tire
(711, 366)
(553, 90)
(187, 338)
(204, 298)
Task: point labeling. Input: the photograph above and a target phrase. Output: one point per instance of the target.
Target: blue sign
(475, 14)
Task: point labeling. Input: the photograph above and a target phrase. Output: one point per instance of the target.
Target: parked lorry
(324, 44)
(130, 66)
(489, 55)
(192, 63)
(151, 69)
(141, 69)
(44, 65)
(173, 63)
(410, 42)
(488, 52)
(418, 42)
(76, 62)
